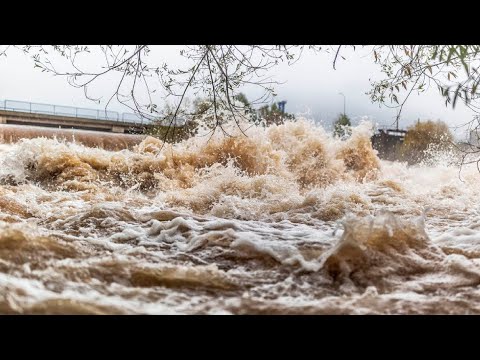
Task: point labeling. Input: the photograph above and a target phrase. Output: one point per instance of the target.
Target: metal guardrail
(75, 112)
(388, 128)
(384, 126)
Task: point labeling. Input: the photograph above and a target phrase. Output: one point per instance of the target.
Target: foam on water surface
(285, 220)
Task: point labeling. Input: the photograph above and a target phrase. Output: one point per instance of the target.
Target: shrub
(342, 126)
(424, 136)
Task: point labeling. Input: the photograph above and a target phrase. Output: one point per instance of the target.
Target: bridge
(68, 117)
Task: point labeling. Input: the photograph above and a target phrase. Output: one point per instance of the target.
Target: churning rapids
(285, 221)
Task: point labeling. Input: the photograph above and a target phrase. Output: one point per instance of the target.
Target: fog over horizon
(311, 88)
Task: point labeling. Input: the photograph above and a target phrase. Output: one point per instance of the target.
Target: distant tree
(273, 115)
(341, 126)
(219, 72)
(425, 135)
(263, 111)
(181, 127)
(243, 99)
(248, 110)
(216, 72)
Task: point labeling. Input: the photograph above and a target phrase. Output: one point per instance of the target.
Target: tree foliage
(342, 126)
(452, 69)
(424, 136)
(220, 72)
(273, 115)
(215, 72)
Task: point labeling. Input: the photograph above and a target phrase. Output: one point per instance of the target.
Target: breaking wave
(284, 220)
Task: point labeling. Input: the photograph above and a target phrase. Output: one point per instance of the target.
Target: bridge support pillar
(3, 120)
(118, 129)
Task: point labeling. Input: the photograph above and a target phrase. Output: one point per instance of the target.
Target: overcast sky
(311, 88)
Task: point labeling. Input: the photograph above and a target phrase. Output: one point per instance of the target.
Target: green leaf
(450, 53)
(457, 92)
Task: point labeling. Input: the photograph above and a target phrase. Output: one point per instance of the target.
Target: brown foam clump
(265, 167)
(374, 250)
(18, 246)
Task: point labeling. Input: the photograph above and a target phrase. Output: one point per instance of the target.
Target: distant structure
(386, 141)
(281, 105)
(14, 112)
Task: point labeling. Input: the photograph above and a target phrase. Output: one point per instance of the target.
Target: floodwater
(284, 221)
(108, 141)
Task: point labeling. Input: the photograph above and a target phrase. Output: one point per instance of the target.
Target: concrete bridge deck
(68, 122)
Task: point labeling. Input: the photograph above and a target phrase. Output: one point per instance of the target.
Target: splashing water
(286, 220)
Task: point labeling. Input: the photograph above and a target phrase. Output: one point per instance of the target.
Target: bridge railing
(76, 112)
(135, 118)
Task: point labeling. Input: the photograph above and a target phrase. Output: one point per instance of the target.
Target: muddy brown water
(284, 221)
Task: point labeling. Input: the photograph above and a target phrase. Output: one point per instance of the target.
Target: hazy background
(311, 88)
